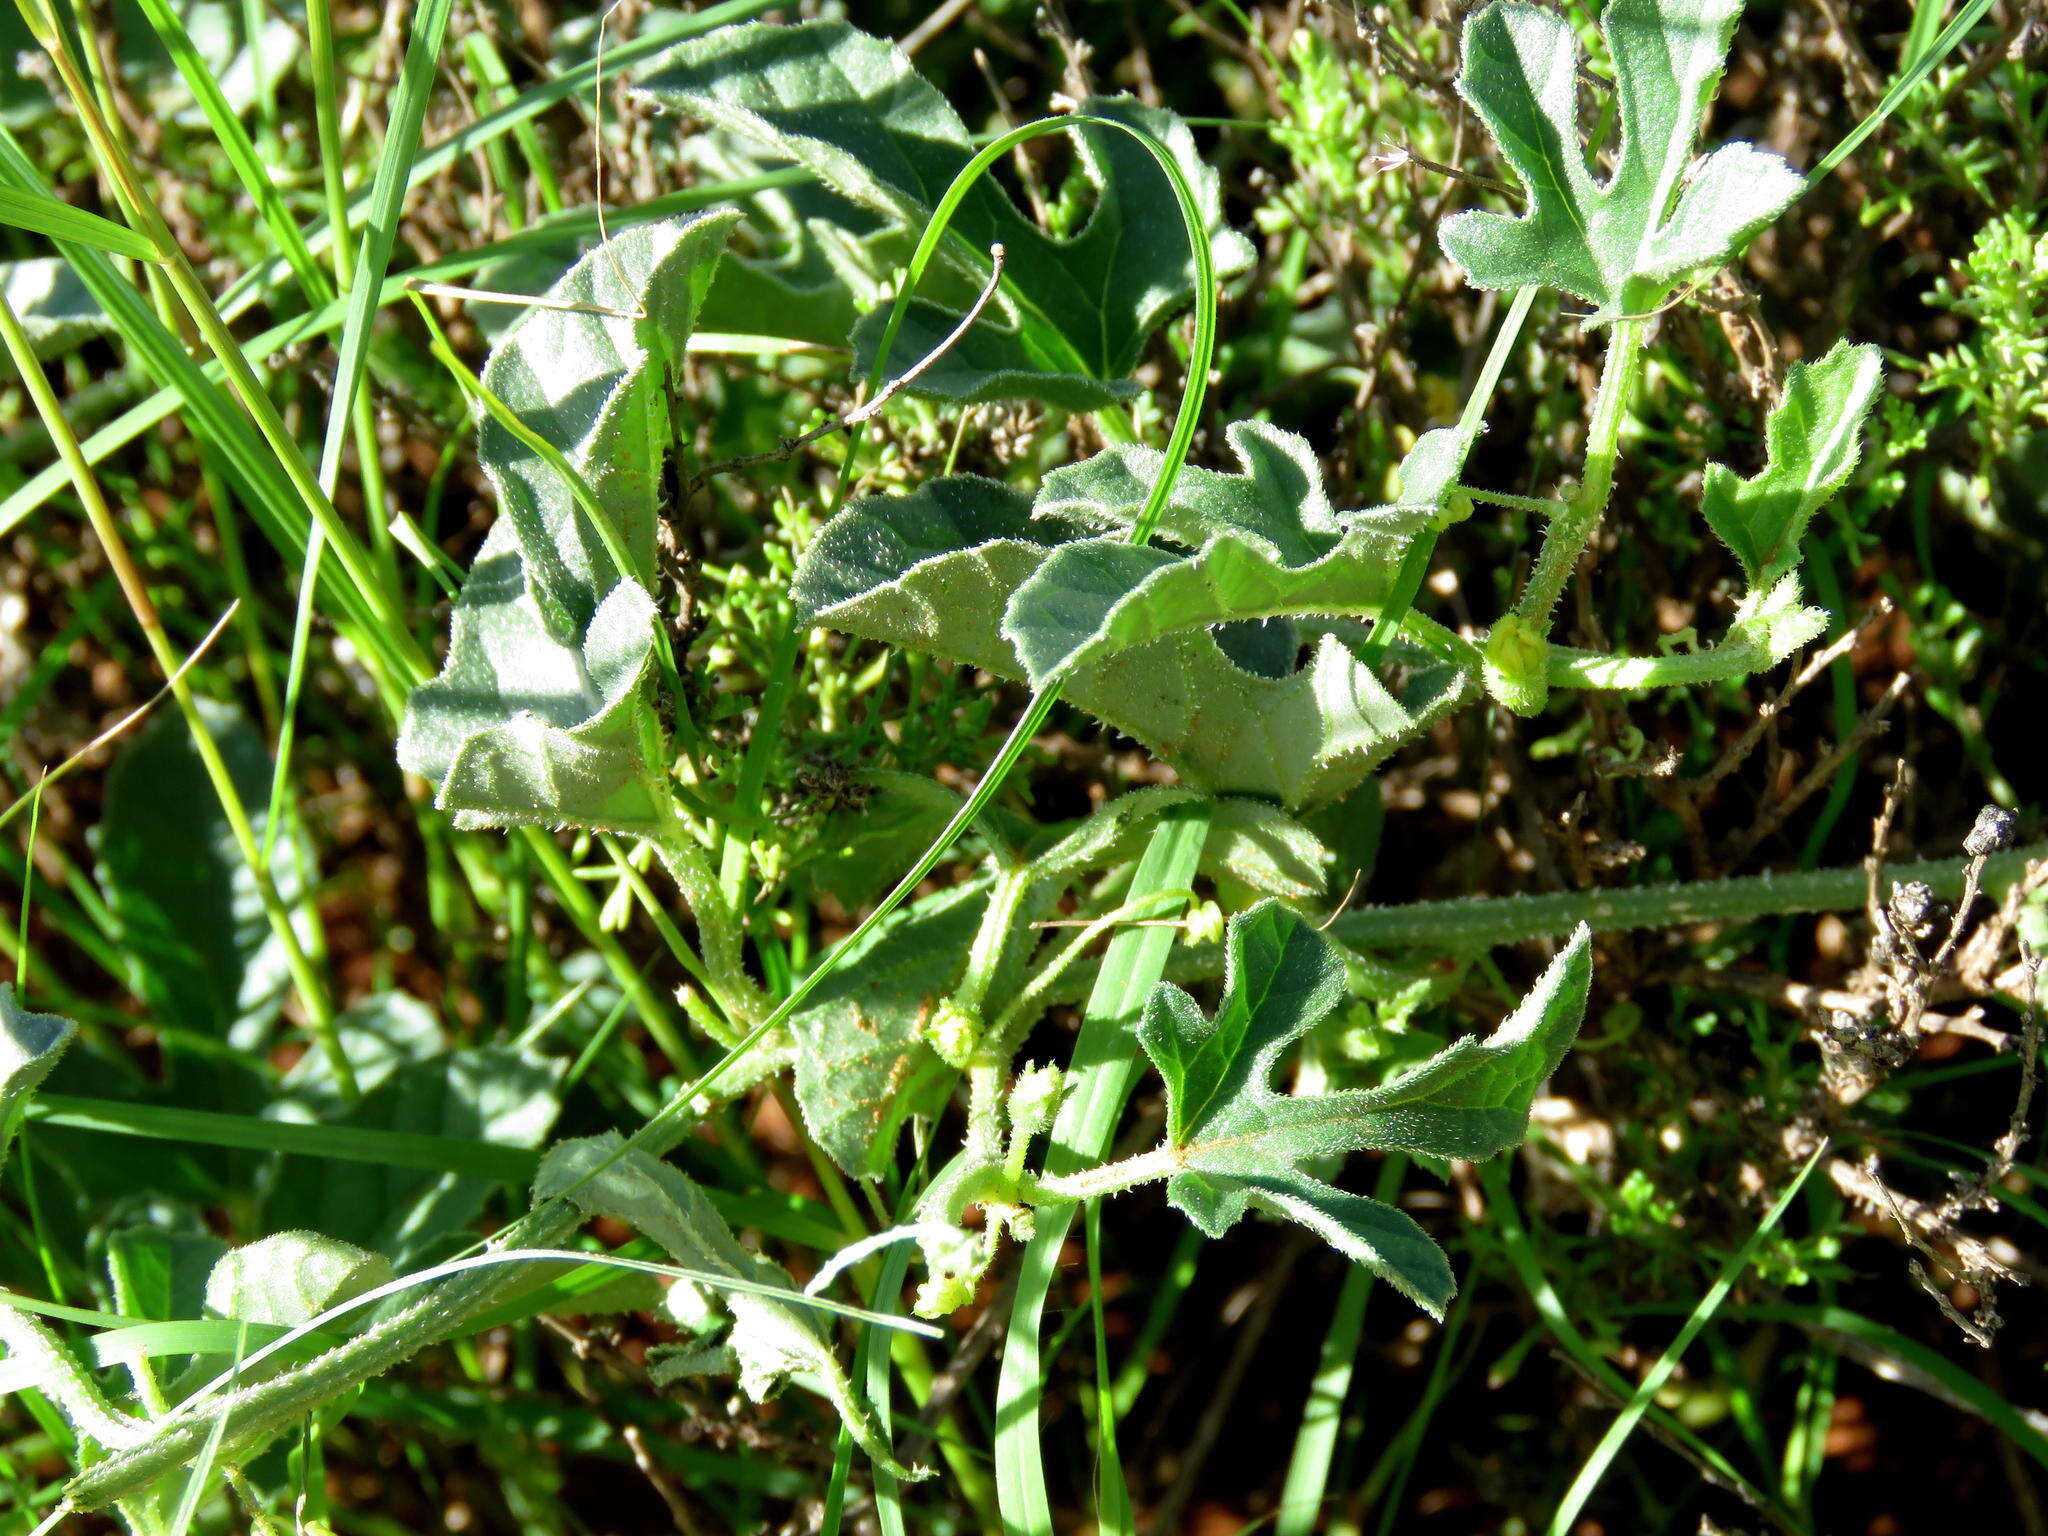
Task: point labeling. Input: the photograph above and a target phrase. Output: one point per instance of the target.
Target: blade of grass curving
(1903, 85)
(1565, 1517)
(41, 214)
(1322, 1417)
(1103, 1068)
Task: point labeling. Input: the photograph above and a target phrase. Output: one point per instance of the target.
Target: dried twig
(1820, 775)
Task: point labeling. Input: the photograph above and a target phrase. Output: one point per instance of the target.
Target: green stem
(1737, 656)
(988, 1071)
(718, 928)
(1479, 922)
(1565, 539)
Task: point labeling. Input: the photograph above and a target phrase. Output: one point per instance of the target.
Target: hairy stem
(1565, 539)
(988, 1071)
(1482, 921)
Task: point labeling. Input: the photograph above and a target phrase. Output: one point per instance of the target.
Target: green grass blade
(1113, 1513)
(1103, 1069)
(1581, 1489)
(1322, 1417)
(355, 1144)
(41, 214)
(662, 30)
(1505, 1224)
(1919, 67)
(577, 225)
(242, 156)
(395, 166)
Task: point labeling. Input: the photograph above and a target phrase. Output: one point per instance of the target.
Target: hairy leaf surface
(1234, 1142)
(541, 714)
(858, 1050)
(1622, 243)
(290, 1277)
(1076, 311)
(1813, 438)
(1266, 546)
(1213, 686)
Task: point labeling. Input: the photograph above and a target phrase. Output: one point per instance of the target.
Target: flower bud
(1204, 923)
(952, 1032)
(1515, 657)
(1033, 1098)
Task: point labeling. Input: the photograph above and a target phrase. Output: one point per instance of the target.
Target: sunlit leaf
(1233, 1142)
(1622, 243)
(542, 713)
(1812, 440)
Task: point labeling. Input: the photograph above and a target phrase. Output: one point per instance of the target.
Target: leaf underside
(1074, 313)
(1619, 244)
(541, 713)
(1193, 652)
(1236, 1143)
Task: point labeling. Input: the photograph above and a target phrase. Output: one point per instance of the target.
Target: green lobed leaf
(1075, 312)
(1268, 547)
(1620, 245)
(1813, 438)
(770, 1338)
(201, 949)
(1226, 705)
(1234, 1143)
(541, 714)
(30, 1045)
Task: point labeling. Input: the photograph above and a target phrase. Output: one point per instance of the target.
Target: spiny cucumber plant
(1260, 641)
